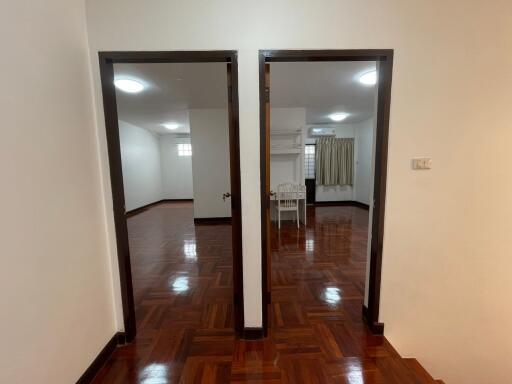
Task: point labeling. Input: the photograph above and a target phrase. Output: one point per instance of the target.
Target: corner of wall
(106, 189)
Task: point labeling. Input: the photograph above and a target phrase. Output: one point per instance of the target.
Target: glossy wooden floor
(182, 285)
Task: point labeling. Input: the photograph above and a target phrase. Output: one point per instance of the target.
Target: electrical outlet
(422, 163)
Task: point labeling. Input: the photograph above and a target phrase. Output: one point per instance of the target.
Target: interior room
(442, 193)
(322, 154)
(174, 142)
(168, 112)
(312, 101)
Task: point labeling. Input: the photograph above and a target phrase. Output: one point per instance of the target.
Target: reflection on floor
(182, 273)
(182, 278)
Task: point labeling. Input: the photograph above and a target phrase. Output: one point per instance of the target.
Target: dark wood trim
(212, 220)
(100, 360)
(106, 64)
(342, 203)
(121, 338)
(385, 71)
(376, 328)
(236, 192)
(360, 205)
(118, 201)
(219, 56)
(253, 333)
(143, 208)
(384, 59)
(325, 55)
(264, 195)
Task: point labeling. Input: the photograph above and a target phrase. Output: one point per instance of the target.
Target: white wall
(445, 96)
(209, 134)
(55, 278)
(284, 119)
(283, 168)
(364, 157)
(176, 170)
(152, 169)
(142, 174)
(286, 168)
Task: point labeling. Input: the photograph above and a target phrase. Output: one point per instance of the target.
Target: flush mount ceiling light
(368, 78)
(171, 126)
(338, 116)
(129, 85)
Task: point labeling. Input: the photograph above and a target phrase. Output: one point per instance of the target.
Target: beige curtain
(334, 161)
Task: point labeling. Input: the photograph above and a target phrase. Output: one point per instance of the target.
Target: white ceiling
(323, 88)
(172, 89)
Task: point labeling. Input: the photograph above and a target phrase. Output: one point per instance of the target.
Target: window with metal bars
(309, 161)
(185, 149)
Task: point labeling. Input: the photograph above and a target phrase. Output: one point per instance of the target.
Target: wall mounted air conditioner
(322, 132)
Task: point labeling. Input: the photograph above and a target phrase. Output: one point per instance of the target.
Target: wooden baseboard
(365, 313)
(342, 203)
(376, 328)
(212, 220)
(136, 211)
(118, 339)
(253, 333)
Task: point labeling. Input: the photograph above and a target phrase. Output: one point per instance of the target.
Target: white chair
(287, 197)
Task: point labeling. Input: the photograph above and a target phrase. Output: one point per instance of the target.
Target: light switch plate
(422, 163)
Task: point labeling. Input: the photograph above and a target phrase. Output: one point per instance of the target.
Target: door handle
(226, 195)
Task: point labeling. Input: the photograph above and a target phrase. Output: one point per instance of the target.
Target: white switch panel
(421, 163)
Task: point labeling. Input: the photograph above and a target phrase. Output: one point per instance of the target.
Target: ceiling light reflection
(354, 372)
(332, 295)
(189, 249)
(180, 285)
(355, 378)
(154, 374)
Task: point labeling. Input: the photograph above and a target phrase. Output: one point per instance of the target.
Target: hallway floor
(183, 293)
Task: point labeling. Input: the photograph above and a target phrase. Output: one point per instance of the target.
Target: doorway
(383, 60)
(184, 148)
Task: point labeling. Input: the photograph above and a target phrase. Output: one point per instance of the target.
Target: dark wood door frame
(384, 59)
(106, 63)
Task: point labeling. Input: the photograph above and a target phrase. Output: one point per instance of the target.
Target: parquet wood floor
(182, 285)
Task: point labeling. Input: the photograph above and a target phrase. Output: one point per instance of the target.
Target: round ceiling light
(338, 116)
(129, 85)
(368, 78)
(171, 126)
